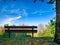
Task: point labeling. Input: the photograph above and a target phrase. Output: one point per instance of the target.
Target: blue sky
(25, 11)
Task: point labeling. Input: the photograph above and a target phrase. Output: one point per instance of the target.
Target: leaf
(41, 0)
(34, 1)
(51, 2)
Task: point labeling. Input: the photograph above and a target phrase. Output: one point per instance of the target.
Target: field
(27, 41)
(24, 39)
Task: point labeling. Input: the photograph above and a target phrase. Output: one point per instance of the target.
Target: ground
(26, 41)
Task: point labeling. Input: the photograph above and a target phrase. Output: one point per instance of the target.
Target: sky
(26, 11)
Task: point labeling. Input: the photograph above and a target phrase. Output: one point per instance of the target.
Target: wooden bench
(21, 29)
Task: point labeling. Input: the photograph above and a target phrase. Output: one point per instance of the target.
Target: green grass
(26, 41)
(47, 38)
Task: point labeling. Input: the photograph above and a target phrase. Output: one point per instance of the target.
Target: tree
(6, 24)
(57, 32)
(50, 2)
(13, 25)
(49, 29)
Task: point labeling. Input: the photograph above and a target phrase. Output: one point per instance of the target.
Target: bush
(23, 35)
(6, 35)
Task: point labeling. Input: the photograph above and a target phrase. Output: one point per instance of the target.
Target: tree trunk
(57, 32)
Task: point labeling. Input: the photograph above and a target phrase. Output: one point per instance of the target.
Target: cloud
(41, 12)
(9, 12)
(35, 12)
(24, 12)
(15, 18)
(17, 11)
(9, 20)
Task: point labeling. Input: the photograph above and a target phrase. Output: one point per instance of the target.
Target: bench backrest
(21, 29)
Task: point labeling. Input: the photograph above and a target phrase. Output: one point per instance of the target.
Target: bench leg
(9, 32)
(32, 33)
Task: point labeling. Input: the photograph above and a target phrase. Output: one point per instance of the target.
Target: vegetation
(49, 2)
(26, 41)
(49, 30)
(47, 34)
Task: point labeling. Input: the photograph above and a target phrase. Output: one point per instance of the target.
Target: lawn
(26, 41)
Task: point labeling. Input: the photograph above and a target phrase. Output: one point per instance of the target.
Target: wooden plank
(22, 31)
(20, 26)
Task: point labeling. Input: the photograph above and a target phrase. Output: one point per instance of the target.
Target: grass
(26, 41)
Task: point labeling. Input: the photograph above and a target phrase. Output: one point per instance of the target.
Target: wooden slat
(20, 26)
(22, 31)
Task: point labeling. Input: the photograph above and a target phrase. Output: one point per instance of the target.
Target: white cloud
(45, 11)
(9, 20)
(41, 12)
(24, 12)
(9, 12)
(35, 12)
(17, 11)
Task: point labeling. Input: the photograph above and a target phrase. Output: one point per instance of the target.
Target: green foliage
(47, 38)
(6, 24)
(13, 25)
(6, 35)
(23, 35)
(41, 0)
(27, 41)
(49, 29)
(49, 2)
(12, 35)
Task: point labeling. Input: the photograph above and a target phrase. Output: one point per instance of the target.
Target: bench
(21, 29)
